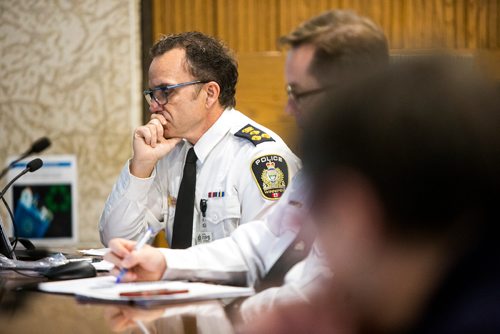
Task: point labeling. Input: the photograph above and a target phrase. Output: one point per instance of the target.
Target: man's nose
(154, 107)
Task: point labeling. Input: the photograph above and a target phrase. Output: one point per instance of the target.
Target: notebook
(104, 289)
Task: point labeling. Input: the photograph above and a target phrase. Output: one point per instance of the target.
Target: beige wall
(70, 70)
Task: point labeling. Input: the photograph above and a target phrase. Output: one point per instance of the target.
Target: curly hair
(207, 58)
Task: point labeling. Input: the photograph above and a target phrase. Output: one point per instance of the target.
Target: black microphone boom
(32, 166)
(37, 147)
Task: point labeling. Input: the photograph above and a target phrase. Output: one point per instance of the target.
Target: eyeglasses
(160, 94)
(296, 97)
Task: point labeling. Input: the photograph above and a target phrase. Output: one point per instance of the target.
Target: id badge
(204, 237)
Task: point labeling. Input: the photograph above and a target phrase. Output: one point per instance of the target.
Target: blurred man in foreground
(406, 202)
(325, 52)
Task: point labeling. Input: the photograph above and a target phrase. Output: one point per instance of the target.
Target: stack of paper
(105, 289)
(94, 252)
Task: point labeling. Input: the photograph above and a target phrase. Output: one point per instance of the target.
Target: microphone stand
(31, 252)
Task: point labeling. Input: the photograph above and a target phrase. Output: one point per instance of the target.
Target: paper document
(103, 265)
(75, 285)
(94, 252)
(104, 289)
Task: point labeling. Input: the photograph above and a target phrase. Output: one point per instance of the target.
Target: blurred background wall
(71, 69)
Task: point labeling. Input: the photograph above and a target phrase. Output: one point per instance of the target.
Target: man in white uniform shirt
(325, 51)
(239, 169)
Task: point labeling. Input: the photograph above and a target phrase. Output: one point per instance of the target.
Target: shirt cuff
(137, 188)
(176, 261)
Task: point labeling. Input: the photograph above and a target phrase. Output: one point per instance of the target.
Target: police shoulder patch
(270, 172)
(253, 134)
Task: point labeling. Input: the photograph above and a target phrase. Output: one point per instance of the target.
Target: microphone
(37, 147)
(31, 166)
(5, 247)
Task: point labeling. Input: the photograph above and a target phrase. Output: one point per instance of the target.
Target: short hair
(426, 136)
(346, 44)
(207, 58)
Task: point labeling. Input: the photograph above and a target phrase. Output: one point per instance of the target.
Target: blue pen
(137, 247)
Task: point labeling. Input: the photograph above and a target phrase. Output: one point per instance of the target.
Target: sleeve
(245, 250)
(262, 187)
(301, 282)
(252, 247)
(133, 205)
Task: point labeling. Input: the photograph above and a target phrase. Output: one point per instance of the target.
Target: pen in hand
(137, 247)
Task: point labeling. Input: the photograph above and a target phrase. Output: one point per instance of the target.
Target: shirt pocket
(223, 215)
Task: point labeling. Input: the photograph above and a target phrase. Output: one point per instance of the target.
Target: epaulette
(253, 134)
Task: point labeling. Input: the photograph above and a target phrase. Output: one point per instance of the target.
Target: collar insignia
(253, 134)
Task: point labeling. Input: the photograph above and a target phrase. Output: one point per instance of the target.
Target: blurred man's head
(327, 50)
(405, 168)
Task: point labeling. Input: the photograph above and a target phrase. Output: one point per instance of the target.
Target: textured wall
(70, 70)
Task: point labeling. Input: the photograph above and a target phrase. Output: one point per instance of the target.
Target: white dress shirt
(231, 176)
(255, 247)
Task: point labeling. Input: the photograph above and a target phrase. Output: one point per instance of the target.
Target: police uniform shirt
(243, 168)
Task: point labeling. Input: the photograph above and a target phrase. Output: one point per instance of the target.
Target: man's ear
(212, 90)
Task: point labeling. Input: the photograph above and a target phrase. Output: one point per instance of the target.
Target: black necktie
(183, 222)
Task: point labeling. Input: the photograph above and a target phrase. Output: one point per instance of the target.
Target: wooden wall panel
(261, 92)
(252, 27)
(255, 25)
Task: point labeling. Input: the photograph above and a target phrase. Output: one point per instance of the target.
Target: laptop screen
(42, 211)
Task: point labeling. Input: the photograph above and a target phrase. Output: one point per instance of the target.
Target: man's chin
(169, 136)
(168, 133)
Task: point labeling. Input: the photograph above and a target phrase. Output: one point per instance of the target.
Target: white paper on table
(94, 252)
(105, 289)
(75, 285)
(103, 265)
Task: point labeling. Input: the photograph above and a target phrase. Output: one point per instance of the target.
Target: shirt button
(216, 217)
